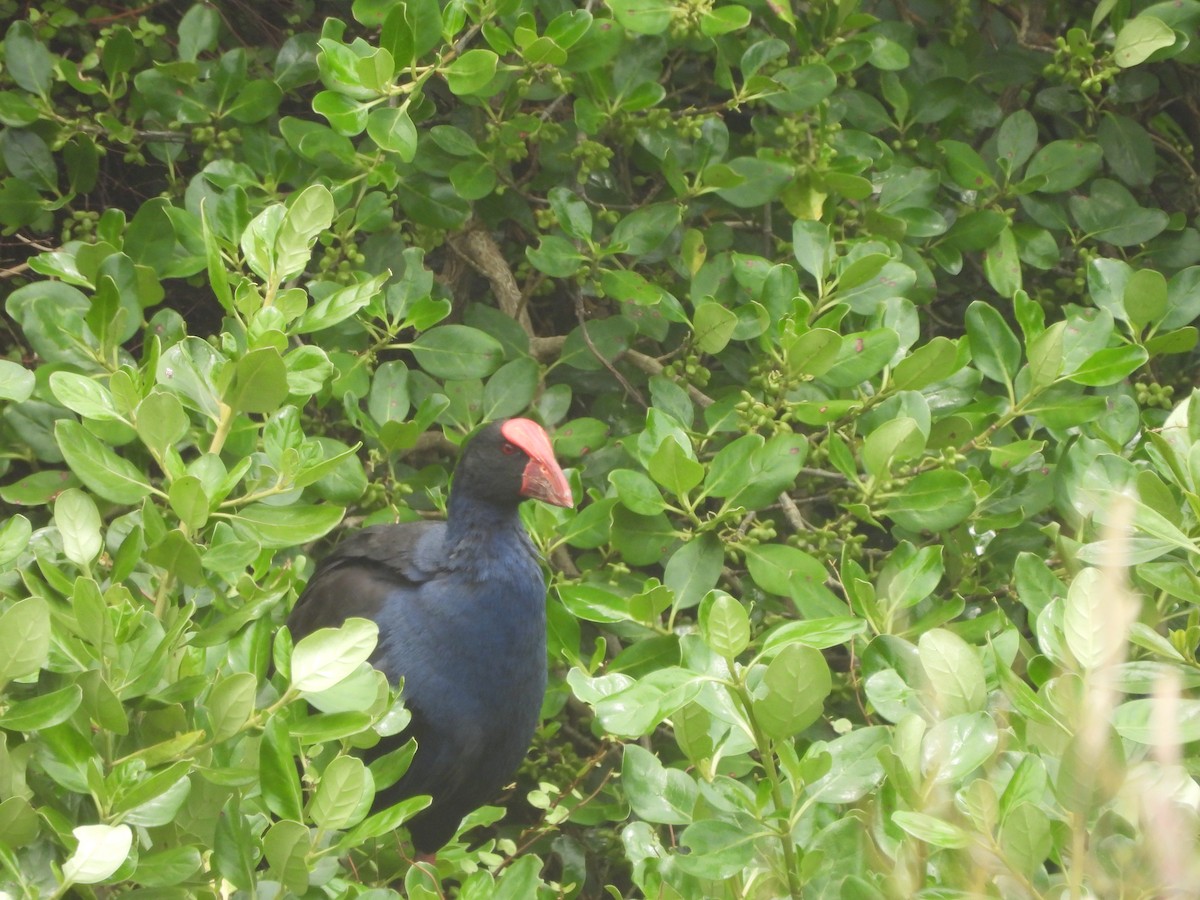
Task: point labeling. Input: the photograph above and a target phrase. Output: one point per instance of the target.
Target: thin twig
(587, 339)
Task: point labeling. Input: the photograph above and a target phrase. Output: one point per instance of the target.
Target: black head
(507, 461)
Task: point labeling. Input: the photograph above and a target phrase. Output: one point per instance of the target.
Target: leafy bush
(867, 332)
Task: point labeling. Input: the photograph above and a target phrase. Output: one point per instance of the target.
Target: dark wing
(362, 572)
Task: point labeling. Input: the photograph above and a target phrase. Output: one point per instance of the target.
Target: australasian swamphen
(460, 606)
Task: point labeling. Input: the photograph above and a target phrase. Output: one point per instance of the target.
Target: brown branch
(476, 247)
(652, 366)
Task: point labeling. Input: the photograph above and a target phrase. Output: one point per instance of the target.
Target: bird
(460, 606)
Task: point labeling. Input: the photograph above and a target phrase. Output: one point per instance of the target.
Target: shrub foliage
(866, 330)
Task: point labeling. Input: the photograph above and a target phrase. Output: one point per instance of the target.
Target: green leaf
(1016, 140)
(643, 16)
(933, 501)
(896, 440)
(797, 681)
(14, 538)
(324, 658)
(391, 128)
(1111, 214)
(671, 467)
(932, 830)
(458, 352)
(24, 638)
(276, 527)
(714, 326)
(309, 213)
(1002, 265)
(927, 365)
(655, 793)
(693, 570)
(471, 72)
(782, 569)
(259, 383)
(344, 793)
(724, 624)
(860, 356)
(1110, 366)
(1145, 298)
(27, 60)
(955, 672)
(99, 468)
(1140, 721)
(1139, 38)
(16, 381)
(78, 523)
(995, 350)
(99, 852)
(966, 167)
(636, 491)
(1064, 165)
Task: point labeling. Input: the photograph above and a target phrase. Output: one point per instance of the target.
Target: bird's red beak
(543, 478)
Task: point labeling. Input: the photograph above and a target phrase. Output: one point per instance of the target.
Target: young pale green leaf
(100, 851)
(78, 523)
(322, 659)
(1141, 721)
(1092, 616)
(955, 672)
(285, 846)
(308, 214)
(230, 704)
(932, 830)
(344, 793)
(100, 469)
(956, 747)
(797, 681)
(724, 624)
(16, 381)
(284, 526)
(1025, 837)
(14, 538)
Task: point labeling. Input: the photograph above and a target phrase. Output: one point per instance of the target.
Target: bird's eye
(508, 449)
